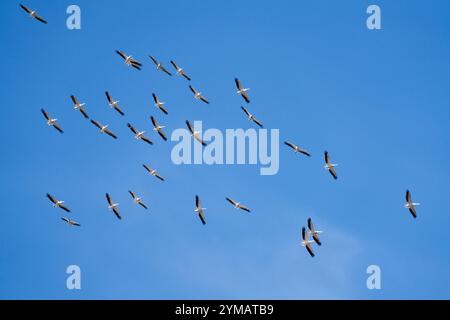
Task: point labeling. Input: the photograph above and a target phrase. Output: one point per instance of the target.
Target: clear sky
(378, 101)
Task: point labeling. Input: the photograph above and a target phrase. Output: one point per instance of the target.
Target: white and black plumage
(33, 14)
(237, 205)
(314, 233)
(139, 135)
(159, 104)
(57, 203)
(199, 210)
(51, 122)
(113, 206)
(297, 148)
(71, 222)
(242, 91)
(137, 200)
(330, 166)
(129, 61)
(198, 95)
(306, 242)
(159, 66)
(252, 117)
(158, 128)
(153, 172)
(180, 71)
(103, 129)
(79, 106)
(195, 134)
(410, 205)
(114, 104)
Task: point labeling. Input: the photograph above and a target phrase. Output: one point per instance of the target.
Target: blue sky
(378, 101)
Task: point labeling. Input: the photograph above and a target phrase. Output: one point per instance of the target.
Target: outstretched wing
(50, 197)
(132, 128)
(45, 114)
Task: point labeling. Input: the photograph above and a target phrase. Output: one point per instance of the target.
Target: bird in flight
(237, 205)
(330, 166)
(79, 106)
(242, 91)
(137, 200)
(252, 117)
(195, 134)
(180, 70)
(297, 148)
(113, 206)
(33, 14)
(158, 128)
(57, 203)
(159, 104)
(114, 104)
(198, 95)
(410, 205)
(139, 135)
(314, 233)
(199, 210)
(306, 242)
(71, 222)
(104, 129)
(153, 172)
(51, 122)
(129, 61)
(159, 66)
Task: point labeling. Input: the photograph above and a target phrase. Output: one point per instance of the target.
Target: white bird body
(112, 206)
(139, 135)
(241, 91)
(51, 122)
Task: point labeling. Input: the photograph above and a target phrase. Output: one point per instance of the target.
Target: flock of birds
(139, 135)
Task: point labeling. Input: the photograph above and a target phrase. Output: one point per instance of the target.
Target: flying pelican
(33, 14)
(57, 203)
(297, 148)
(242, 91)
(313, 232)
(51, 122)
(139, 134)
(306, 242)
(252, 117)
(103, 129)
(113, 206)
(71, 222)
(199, 210)
(137, 200)
(158, 128)
(159, 104)
(410, 205)
(79, 106)
(159, 66)
(329, 166)
(114, 104)
(195, 134)
(198, 95)
(129, 61)
(237, 205)
(153, 172)
(180, 70)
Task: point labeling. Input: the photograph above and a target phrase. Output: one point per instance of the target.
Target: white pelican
(57, 203)
(410, 205)
(159, 66)
(129, 61)
(104, 129)
(33, 14)
(51, 122)
(252, 117)
(198, 95)
(195, 134)
(306, 242)
(237, 205)
(137, 200)
(71, 222)
(297, 148)
(158, 128)
(242, 91)
(79, 106)
(180, 70)
(330, 166)
(114, 104)
(159, 104)
(113, 206)
(153, 172)
(314, 233)
(139, 135)
(199, 210)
